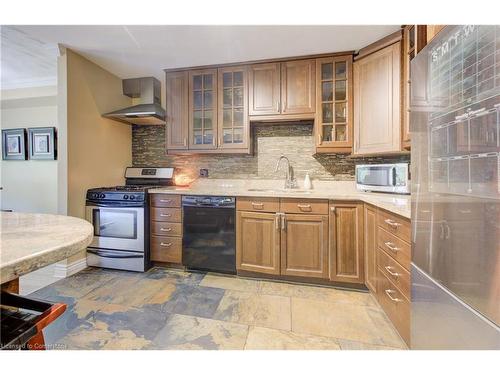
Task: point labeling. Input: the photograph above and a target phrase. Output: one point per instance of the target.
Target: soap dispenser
(307, 182)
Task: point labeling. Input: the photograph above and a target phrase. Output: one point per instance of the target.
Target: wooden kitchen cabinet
(166, 228)
(258, 242)
(298, 89)
(203, 109)
(334, 104)
(377, 105)
(370, 246)
(177, 127)
(346, 242)
(233, 124)
(279, 91)
(433, 30)
(304, 245)
(264, 89)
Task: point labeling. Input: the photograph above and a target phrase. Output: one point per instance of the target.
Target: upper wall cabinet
(264, 89)
(333, 125)
(298, 87)
(279, 91)
(377, 106)
(177, 108)
(203, 109)
(233, 124)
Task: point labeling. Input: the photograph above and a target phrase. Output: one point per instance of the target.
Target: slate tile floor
(173, 309)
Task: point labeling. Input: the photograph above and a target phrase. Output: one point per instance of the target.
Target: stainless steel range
(120, 216)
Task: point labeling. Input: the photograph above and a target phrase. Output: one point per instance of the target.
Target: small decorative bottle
(307, 182)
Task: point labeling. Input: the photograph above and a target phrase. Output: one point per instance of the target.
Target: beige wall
(98, 149)
(31, 185)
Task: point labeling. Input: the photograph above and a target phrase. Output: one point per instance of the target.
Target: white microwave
(388, 178)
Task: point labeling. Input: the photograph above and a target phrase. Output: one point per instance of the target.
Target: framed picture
(14, 144)
(42, 143)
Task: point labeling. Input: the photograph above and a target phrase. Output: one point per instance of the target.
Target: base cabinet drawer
(393, 246)
(164, 228)
(395, 305)
(304, 206)
(173, 215)
(165, 200)
(395, 225)
(166, 249)
(258, 204)
(399, 276)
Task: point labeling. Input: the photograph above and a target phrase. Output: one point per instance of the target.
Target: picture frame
(42, 143)
(14, 144)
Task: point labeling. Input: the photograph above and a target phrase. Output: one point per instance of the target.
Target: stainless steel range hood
(149, 110)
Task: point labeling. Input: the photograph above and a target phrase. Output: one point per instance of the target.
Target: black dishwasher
(209, 238)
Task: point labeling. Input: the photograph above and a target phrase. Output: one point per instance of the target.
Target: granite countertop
(32, 241)
(334, 190)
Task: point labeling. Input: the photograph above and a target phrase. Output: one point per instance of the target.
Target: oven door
(117, 228)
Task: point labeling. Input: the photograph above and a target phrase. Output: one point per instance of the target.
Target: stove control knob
(125, 196)
(102, 196)
(132, 197)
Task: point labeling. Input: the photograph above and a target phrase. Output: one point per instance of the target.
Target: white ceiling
(133, 51)
(25, 60)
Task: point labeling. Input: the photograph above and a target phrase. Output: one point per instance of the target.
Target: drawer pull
(165, 215)
(165, 200)
(166, 244)
(165, 229)
(257, 204)
(392, 223)
(391, 246)
(389, 269)
(389, 294)
(304, 206)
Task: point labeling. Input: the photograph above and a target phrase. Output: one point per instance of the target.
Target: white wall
(31, 185)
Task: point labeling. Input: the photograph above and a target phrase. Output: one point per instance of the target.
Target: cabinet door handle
(165, 215)
(392, 223)
(165, 200)
(319, 138)
(168, 244)
(389, 294)
(389, 269)
(185, 142)
(277, 221)
(304, 206)
(165, 229)
(332, 209)
(257, 204)
(283, 222)
(391, 246)
(277, 106)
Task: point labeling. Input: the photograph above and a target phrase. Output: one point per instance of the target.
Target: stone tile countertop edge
(32, 241)
(332, 190)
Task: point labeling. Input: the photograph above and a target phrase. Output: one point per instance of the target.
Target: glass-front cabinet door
(203, 109)
(333, 125)
(233, 124)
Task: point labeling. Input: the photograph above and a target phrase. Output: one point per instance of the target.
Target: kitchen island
(32, 241)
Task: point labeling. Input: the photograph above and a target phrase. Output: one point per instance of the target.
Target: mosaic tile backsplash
(294, 140)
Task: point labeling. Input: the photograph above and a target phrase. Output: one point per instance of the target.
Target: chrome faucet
(290, 181)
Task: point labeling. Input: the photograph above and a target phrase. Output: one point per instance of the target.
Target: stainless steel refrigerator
(455, 128)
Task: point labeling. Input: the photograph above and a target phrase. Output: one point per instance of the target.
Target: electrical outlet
(203, 172)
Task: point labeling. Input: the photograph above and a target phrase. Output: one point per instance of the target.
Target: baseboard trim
(66, 269)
